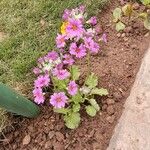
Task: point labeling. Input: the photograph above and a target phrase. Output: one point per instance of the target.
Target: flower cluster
(78, 37)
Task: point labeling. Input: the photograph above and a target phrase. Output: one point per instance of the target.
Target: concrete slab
(133, 130)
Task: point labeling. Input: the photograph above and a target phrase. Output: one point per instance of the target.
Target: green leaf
(147, 23)
(92, 81)
(60, 84)
(127, 10)
(72, 120)
(15, 103)
(101, 91)
(77, 98)
(145, 2)
(117, 14)
(91, 111)
(61, 110)
(76, 107)
(120, 26)
(94, 104)
(143, 15)
(75, 72)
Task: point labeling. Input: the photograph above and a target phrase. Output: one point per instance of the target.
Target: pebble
(97, 146)
(133, 46)
(48, 145)
(104, 107)
(147, 34)
(123, 35)
(110, 110)
(26, 140)
(110, 119)
(110, 101)
(118, 34)
(51, 134)
(117, 96)
(128, 29)
(59, 136)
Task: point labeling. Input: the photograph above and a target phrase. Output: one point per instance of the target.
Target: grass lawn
(30, 28)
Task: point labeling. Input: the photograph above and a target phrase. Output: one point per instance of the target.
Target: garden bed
(116, 66)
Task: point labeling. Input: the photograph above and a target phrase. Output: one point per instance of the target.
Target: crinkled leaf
(143, 15)
(85, 90)
(120, 26)
(61, 110)
(60, 84)
(117, 14)
(101, 91)
(147, 23)
(76, 107)
(127, 9)
(92, 81)
(72, 120)
(91, 111)
(77, 98)
(94, 104)
(75, 72)
(145, 2)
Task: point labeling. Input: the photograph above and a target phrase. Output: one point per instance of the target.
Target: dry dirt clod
(58, 146)
(26, 140)
(59, 136)
(51, 134)
(110, 110)
(97, 146)
(128, 29)
(104, 107)
(110, 101)
(110, 119)
(48, 145)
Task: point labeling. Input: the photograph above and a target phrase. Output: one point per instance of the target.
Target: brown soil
(116, 65)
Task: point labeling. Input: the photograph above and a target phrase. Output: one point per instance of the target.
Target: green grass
(27, 39)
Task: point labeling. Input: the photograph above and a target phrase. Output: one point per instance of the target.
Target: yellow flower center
(63, 27)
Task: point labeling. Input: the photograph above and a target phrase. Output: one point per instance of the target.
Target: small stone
(30, 128)
(98, 136)
(136, 6)
(110, 110)
(104, 107)
(48, 145)
(133, 46)
(125, 39)
(58, 146)
(119, 35)
(59, 136)
(51, 134)
(147, 34)
(110, 119)
(110, 101)
(97, 146)
(117, 96)
(123, 35)
(128, 29)
(26, 140)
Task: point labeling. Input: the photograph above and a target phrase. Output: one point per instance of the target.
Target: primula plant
(58, 75)
(128, 11)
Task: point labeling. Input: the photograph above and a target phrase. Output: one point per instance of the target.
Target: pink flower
(66, 14)
(36, 71)
(91, 45)
(58, 100)
(92, 21)
(72, 88)
(38, 96)
(42, 80)
(52, 55)
(104, 37)
(74, 28)
(68, 59)
(60, 41)
(61, 74)
(41, 60)
(79, 52)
